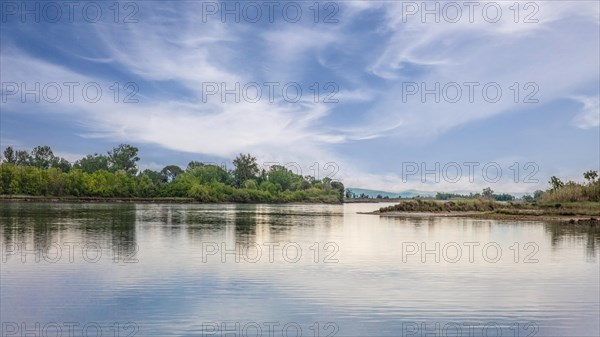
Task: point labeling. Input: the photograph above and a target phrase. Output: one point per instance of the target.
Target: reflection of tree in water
(249, 223)
(560, 231)
(25, 225)
(42, 224)
(244, 225)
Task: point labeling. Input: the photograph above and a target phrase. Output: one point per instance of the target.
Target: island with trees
(572, 201)
(40, 175)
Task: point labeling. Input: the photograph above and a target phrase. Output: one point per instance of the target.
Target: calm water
(295, 270)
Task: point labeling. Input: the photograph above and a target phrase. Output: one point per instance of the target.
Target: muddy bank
(575, 219)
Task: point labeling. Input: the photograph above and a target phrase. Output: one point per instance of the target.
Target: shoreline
(481, 215)
(133, 200)
(581, 219)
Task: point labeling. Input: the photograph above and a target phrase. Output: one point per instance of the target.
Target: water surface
(194, 270)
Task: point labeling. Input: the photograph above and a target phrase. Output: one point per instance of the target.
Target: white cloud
(589, 116)
(556, 54)
(222, 130)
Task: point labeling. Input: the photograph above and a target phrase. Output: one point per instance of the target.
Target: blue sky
(369, 54)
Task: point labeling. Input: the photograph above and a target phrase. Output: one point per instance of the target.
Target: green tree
(8, 176)
(9, 155)
(282, 176)
(170, 172)
(145, 187)
(590, 176)
(193, 165)
(503, 197)
(22, 158)
(555, 183)
(487, 193)
(154, 176)
(211, 173)
(251, 184)
(92, 163)
(61, 163)
(245, 167)
(124, 157)
(42, 156)
(101, 176)
(336, 185)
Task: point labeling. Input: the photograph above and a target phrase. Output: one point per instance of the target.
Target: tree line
(487, 193)
(115, 174)
(559, 191)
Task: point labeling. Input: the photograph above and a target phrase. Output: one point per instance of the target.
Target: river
(289, 270)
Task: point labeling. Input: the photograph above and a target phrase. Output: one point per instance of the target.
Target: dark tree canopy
(124, 157)
(9, 155)
(92, 163)
(170, 172)
(245, 168)
(42, 156)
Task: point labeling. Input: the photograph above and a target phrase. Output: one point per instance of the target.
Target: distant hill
(403, 194)
(410, 193)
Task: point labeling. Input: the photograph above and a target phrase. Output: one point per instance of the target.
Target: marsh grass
(587, 208)
(573, 192)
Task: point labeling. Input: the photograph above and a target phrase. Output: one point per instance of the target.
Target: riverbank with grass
(586, 211)
(137, 200)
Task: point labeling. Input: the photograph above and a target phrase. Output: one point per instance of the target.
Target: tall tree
(556, 183)
(42, 156)
(246, 168)
(487, 192)
(169, 173)
(193, 165)
(280, 175)
(9, 155)
(61, 163)
(22, 158)
(92, 163)
(124, 157)
(590, 176)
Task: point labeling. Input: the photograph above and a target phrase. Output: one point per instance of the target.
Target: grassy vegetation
(465, 205)
(573, 192)
(560, 200)
(490, 207)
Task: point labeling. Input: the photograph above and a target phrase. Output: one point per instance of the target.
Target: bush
(573, 192)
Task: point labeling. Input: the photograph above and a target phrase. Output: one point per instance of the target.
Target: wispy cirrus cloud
(589, 116)
(371, 53)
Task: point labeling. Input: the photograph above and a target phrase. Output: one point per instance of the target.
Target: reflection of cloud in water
(370, 291)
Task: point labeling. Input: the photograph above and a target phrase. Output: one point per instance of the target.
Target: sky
(386, 95)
